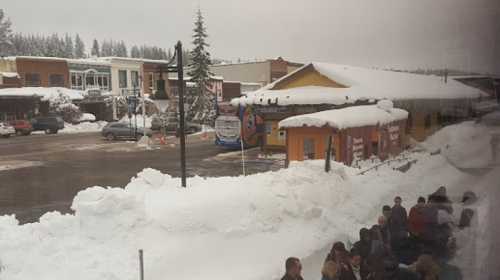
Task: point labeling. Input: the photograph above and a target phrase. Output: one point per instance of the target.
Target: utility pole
(180, 80)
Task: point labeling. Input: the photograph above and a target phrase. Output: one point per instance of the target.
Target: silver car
(116, 130)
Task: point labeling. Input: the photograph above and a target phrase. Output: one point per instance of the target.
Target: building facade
(89, 74)
(43, 71)
(261, 72)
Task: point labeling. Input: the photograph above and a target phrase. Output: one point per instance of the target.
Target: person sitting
(293, 269)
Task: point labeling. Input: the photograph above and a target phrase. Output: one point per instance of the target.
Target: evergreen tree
(68, 46)
(201, 102)
(5, 34)
(135, 52)
(79, 47)
(106, 48)
(95, 49)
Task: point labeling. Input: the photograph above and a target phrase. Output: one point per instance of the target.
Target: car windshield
(250, 139)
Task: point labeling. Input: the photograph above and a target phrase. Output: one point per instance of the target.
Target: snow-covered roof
(40, 58)
(89, 61)
(361, 83)
(46, 94)
(355, 116)
(9, 74)
(133, 59)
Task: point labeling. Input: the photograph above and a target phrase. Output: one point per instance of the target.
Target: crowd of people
(415, 245)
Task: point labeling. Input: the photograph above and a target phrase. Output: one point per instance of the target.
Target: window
(122, 78)
(309, 148)
(428, 121)
(134, 76)
(32, 80)
(56, 80)
(76, 80)
(105, 82)
(151, 81)
(90, 80)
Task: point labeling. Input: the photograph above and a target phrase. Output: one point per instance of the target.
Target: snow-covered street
(229, 227)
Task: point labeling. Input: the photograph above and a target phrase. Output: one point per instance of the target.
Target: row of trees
(40, 45)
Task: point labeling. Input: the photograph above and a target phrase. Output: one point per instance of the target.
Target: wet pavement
(42, 173)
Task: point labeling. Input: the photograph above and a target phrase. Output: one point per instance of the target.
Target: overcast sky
(405, 34)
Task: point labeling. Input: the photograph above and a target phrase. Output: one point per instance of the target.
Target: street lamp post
(180, 75)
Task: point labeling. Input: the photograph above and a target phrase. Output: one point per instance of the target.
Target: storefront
(357, 133)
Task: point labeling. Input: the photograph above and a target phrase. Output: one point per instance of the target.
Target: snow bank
(465, 145)
(87, 117)
(47, 94)
(217, 228)
(356, 116)
(83, 127)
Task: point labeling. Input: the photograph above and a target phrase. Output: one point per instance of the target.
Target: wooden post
(328, 155)
(141, 265)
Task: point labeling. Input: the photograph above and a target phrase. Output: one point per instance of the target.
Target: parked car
(124, 130)
(22, 127)
(171, 125)
(6, 130)
(48, 124)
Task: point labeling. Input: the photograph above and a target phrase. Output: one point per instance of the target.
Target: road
(43, 173)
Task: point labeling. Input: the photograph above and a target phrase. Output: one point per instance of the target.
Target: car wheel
(26, 133)
(138, 137)
(110, 136)
(54, 131)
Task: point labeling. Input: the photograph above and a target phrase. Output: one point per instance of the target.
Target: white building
(125, 75)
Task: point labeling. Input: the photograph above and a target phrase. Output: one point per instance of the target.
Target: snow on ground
(217, 228)
(83, 127)
(47, 94)
(466, 145)
(16, 164)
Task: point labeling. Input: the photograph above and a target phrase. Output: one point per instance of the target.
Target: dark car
(117, 130)
(47, 124)
(170, 124)
(22, 127)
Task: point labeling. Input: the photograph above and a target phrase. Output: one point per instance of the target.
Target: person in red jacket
(416, 218)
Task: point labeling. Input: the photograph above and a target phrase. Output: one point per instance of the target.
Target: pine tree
(135, 52)
(5, 34)
(201, 102)
(106, 48)
(95, 49)
(79, 47)
(68, 46)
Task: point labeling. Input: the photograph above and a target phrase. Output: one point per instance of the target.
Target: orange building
(357, 133)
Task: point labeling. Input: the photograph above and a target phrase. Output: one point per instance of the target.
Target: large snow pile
(83, 127)
(465, 145)
(217, 228)
(47, 94)
(356, 116)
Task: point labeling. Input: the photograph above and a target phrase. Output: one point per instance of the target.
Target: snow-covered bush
(62, 105)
